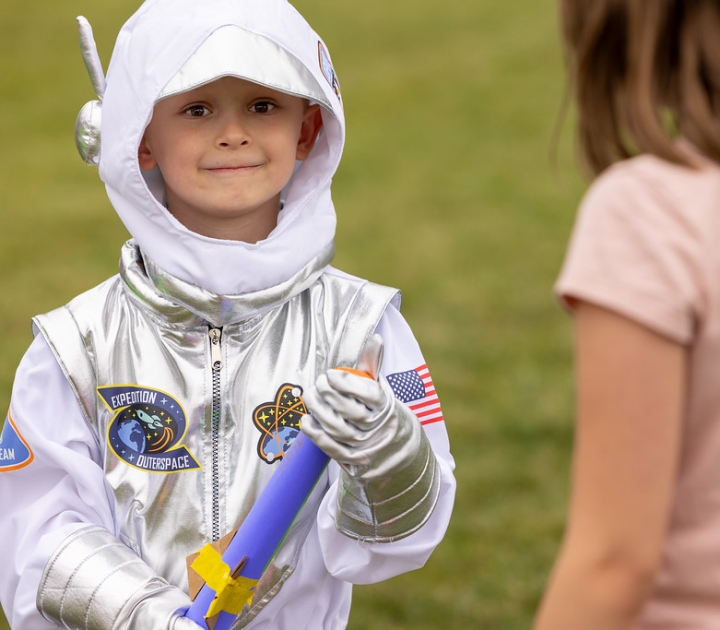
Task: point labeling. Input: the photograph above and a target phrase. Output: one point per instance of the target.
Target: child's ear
(311, 126)
(145, 157)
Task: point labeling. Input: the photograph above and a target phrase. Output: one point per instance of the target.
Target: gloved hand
(358, 421)
(390, 480)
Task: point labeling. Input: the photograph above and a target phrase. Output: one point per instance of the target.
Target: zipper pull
(215, 349)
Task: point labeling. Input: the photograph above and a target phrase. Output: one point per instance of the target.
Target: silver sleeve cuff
(389, 508)
(94, 582)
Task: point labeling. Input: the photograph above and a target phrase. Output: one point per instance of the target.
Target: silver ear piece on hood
(87, 125)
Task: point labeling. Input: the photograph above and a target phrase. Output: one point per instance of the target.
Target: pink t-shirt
(647, 246)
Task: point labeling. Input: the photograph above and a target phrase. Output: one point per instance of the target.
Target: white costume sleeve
(59, 492)
(58, 544)
(358, 562)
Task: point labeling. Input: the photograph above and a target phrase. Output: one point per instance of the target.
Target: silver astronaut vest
(193, 398)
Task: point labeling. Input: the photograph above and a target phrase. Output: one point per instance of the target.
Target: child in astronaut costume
(143, 410)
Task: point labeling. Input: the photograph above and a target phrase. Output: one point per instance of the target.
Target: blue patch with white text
(147, 429)
(15, 452)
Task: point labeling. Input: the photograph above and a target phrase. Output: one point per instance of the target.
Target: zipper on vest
(216, 360)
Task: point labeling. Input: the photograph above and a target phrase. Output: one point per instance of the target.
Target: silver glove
(95, 582)
(390, 478)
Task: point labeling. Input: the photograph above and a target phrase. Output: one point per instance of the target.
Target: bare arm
(630, 398)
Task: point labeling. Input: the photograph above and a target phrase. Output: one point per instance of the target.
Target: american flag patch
(415, 388)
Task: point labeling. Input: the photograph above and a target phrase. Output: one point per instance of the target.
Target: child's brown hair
(643, 71)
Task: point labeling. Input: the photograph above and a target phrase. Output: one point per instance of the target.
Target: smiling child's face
(226, 150)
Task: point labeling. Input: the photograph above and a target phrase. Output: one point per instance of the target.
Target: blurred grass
(447, 190)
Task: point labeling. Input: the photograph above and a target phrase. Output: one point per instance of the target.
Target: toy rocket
(230, 579)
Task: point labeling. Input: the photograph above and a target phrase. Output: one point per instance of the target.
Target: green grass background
(448, 190)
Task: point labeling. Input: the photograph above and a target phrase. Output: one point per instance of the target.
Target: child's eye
(196, 111)
(262, 107)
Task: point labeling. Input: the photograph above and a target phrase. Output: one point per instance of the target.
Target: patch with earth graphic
(147, 429)
(279, 422)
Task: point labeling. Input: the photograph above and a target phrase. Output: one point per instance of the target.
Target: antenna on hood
(87, 125)
(91, 57)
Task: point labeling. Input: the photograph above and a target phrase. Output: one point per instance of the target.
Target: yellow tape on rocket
(231, 593)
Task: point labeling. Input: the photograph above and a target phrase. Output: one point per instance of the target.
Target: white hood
(151, 48)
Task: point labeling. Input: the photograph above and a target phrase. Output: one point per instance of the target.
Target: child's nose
(233, 131)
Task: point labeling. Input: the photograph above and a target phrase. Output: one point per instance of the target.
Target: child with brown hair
(642, 279)
(151, 413)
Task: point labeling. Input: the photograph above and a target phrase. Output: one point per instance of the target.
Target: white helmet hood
(159, 41)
